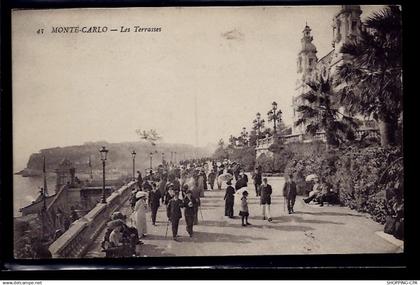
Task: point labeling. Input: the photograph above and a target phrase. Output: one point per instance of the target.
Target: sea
(26, 189)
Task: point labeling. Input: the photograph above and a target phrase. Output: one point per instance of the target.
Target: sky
(72, 88)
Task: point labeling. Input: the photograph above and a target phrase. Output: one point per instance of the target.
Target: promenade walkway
(311, 230)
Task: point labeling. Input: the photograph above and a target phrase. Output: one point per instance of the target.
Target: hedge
(367, 179)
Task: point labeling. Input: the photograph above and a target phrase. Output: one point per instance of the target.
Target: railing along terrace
(78, 238)
(320, 136)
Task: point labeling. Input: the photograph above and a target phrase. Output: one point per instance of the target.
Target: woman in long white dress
(140, 216)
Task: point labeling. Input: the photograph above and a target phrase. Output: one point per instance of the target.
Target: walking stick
(284, 204)
(201, 213)
(167, 226)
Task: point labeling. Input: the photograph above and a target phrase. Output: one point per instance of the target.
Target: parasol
(141, 194)
(238, 194)
(225, 177)
(311, 177)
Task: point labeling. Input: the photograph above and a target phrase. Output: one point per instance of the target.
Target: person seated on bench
(116, 236)
(316, 189)
(327, 196)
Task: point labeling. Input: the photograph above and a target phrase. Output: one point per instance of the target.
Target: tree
(320, 113)
(221, 152)
(150, 136)
(373, 77)
(232, 141)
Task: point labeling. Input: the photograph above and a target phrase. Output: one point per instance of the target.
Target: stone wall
(79, 237)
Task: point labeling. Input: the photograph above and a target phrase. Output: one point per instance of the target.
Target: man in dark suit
(154, 197)
(174, 213)
(257, 177)
(189, 204)
(289, 193)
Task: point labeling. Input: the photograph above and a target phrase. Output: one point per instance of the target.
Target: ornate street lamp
(258, 124)
(104, 154)
(275, 116)
(133, 154)
(151, 160)
(244, 136)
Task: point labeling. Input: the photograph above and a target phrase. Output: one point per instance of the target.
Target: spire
(307, 39)
(306, 61)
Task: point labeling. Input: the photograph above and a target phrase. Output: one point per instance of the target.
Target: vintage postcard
(207, 131)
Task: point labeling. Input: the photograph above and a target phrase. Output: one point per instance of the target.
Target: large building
(346, 25)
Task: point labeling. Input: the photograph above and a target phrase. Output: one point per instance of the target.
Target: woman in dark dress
(229, 199)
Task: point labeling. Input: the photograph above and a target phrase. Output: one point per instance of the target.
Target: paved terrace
(311, 230)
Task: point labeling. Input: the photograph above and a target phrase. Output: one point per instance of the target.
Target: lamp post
(133, 154)
(151, 160)
(163, 157)
(175, 157)
(104, 154)
(258, 124)
(275, 116)
(244, 136)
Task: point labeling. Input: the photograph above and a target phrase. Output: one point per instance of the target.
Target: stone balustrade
(265, 143)
(78, 238)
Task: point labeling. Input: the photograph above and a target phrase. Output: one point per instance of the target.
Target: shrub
(367, 179)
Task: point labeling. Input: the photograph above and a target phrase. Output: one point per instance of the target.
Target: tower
(306, 71)
(306, 61)
(346, 26)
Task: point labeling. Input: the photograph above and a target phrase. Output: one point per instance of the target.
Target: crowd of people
(180, 187)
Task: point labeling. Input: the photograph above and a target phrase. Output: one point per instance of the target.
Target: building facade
(346, 25)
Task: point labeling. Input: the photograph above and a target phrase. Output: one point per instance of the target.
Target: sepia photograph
(207, 131)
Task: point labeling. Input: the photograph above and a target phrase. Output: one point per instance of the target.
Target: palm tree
(320, 113)
(371, 82)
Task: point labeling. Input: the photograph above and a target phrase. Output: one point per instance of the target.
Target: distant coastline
(119, 158)
(27, 172)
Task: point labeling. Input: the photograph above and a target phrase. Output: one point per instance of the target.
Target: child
(244, 213)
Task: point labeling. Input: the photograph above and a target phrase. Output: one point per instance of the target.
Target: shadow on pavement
(253, 226)
(201, 237)
(329, 214)
(286, 219)
(212, 205)
(151, 250)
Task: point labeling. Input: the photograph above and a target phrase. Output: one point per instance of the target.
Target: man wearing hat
(174, 213)
(211, 178)
(154, 198)
(189, 204)
(289, 193)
